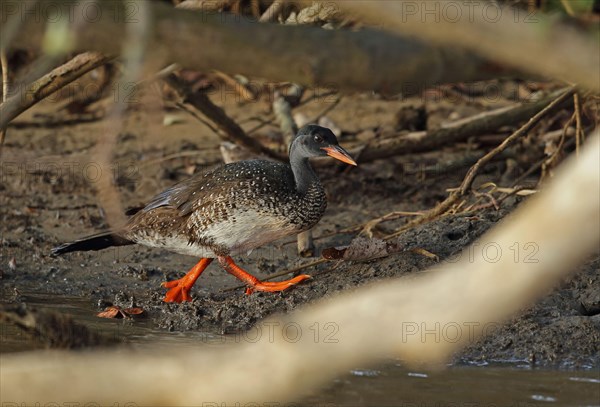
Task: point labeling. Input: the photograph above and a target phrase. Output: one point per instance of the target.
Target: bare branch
(458, 131)
(230, 130)
(49, 83)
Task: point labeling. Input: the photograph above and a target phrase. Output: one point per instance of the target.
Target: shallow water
(391, 384)
(394, 385)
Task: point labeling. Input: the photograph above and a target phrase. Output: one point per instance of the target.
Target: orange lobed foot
(274, 286)
(180, 289)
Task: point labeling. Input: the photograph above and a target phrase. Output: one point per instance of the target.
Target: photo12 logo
(465, 11)
(53, 12)
(291, 332)
(451, 332)
(31, 172)
(492, 252)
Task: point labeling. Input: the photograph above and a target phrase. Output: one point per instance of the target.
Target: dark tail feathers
(94, 242)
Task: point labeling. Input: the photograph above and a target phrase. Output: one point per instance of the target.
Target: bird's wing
(203, 188)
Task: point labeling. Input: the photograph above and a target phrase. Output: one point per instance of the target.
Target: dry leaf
(110, 312)
(116, 312)
(362, 249)
(133, 311)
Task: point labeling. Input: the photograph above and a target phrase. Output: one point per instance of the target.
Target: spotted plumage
(253, 203)
(232, 209)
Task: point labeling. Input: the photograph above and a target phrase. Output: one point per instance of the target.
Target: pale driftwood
(305, 243)
(229, 129)
(235, 45)
(272, 12)
(317, 12)
(50, 83)
(203, 5)
(460, 130)
(387, 319)
(532, 41)
(283, 116)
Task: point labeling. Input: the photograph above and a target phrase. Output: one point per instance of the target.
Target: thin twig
(468, 180)
(445, 205)
(578, 129)
(537, 166)
(5, 90)
(549, 162)
(367, 229)
(429, 215)
(260, 126)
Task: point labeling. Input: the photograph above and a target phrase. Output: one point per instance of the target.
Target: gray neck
(303, 172)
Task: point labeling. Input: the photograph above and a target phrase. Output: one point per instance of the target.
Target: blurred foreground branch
(318, 57)
(372, 321)
(533, 42)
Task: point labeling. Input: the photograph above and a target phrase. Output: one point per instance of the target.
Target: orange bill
(339, 153)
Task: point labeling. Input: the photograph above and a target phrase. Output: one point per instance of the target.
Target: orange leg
(180, 289)
(254, 284)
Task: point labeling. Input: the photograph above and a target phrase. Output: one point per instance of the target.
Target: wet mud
(47, 194)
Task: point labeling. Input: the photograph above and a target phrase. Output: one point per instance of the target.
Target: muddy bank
(47, 198)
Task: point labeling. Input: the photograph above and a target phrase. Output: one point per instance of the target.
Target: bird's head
(316, 141)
